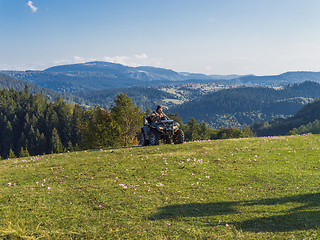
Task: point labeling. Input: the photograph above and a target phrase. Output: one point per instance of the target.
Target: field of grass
(255, 188)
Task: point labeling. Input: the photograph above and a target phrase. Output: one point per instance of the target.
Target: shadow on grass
(289, 219)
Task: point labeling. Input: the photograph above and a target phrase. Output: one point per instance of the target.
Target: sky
(260, 37)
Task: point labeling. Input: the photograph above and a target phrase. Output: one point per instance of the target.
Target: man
(158, 114)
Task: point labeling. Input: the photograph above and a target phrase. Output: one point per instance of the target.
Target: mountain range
(106, 75)
(232, 100)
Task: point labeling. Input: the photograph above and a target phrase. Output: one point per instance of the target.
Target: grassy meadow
(254, 188)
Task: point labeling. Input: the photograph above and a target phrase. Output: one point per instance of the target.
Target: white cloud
(132, 61)
(33, 8)
(135, 60)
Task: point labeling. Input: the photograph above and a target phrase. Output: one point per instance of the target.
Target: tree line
(32, 125)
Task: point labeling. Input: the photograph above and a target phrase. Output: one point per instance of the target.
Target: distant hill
(105, 75)
(282, 79)
(144, 73)
(244, 106)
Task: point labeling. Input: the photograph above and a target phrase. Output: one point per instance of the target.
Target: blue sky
(261, 37)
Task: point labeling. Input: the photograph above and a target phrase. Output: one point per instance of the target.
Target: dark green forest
(31, 124)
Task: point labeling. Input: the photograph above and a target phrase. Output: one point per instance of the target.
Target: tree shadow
(302, 217)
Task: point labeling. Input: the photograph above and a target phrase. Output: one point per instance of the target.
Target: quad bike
(165, 130)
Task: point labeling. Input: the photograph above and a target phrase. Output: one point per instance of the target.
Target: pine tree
(100, 131)
(192, 130)
(42, 144)
(70, 147)
(56, 145)
(7, 139)
(11, 154)
(129, 117)
(24, 153)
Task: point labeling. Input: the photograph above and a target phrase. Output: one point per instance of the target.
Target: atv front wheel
(154, 138)
(178, 137)
(143, 140)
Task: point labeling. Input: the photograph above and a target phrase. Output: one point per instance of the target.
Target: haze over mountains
(103, 75)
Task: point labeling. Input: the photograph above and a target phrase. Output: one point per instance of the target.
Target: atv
(165, 130)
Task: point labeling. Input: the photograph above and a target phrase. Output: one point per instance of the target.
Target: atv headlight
(161, 128)
(175, 127)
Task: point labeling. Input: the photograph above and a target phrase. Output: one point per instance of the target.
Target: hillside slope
(307, 116)
(253, 188)
(244, 106)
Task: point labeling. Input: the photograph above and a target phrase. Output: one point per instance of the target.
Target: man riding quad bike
(157, 127)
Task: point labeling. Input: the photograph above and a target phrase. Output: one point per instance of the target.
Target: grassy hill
(256, 188)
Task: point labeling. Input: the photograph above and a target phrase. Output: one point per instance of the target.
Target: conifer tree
(23, 153)
(100, 131)
(56, 145)
(7, 139)
(129, 117)
(192, 130)
(70, 147)
(11, 154)
(42, 144)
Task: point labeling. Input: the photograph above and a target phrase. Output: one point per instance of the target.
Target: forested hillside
(31, 124)
(305, 120)
(244, 106)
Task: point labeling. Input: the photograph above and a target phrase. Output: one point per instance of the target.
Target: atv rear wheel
(143, 140)
(154, 138)
(178, 137)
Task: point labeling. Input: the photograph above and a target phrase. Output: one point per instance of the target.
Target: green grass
(256, 188)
